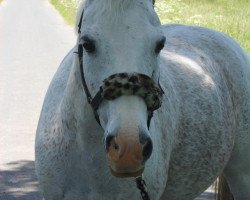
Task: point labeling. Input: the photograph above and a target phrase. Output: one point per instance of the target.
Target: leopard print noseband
(133, 84)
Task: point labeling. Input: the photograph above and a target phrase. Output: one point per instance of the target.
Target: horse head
(119, 43)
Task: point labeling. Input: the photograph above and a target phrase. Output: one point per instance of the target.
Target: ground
(34, 40)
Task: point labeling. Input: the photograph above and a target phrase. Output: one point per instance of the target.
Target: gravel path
(33, 41)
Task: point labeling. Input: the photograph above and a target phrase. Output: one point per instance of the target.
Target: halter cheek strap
(96, 101)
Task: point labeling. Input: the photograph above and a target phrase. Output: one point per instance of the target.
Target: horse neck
(89, 152)
(75, 109)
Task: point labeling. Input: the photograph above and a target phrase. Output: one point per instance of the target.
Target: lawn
(229, 16)
(67, 8)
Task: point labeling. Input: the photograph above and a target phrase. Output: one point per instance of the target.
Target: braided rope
(141, 185)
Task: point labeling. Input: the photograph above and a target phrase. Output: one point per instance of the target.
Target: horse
(135, 98)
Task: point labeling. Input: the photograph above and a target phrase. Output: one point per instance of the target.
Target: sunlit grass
(67, 8)
(229, 16)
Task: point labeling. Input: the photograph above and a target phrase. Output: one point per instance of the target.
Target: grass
(228, 16)
(67, 8)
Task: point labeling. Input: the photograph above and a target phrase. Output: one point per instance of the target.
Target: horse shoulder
(211, 78)
(49, 122)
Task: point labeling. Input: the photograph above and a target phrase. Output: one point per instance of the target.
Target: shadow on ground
(206, 196)
(19, 181)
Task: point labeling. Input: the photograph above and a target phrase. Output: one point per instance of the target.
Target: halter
(120, 84)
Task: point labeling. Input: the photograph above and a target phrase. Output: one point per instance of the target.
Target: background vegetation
(229, 16)
(67, 8)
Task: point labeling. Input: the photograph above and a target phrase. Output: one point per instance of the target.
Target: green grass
(228, 16)
(67, 8)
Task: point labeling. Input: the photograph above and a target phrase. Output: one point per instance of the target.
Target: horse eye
(88, 45)
(160, 45)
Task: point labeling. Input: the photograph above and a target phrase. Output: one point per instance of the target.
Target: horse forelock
(112, 8)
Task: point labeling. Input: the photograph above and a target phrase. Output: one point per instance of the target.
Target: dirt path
(33, 41)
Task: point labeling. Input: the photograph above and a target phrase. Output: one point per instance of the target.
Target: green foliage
(229, 16)
(67, 8)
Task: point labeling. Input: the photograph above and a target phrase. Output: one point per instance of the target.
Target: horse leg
(237, 171)
(239, 183)
(223, 190)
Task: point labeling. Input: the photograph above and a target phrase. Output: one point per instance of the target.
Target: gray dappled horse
(97, 120)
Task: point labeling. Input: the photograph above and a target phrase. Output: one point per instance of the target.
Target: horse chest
(197, 159)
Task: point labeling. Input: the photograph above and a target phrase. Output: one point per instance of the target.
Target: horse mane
(105, 6)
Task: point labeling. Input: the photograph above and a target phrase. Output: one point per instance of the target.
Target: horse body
(201, 128)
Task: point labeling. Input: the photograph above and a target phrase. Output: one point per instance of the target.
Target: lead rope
(141, 185)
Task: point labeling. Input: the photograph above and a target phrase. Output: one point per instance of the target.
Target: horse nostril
(148, 146)
(108, 141)
(147, 150)
(116, 146)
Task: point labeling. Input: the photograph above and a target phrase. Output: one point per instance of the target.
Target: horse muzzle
(127, 153)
